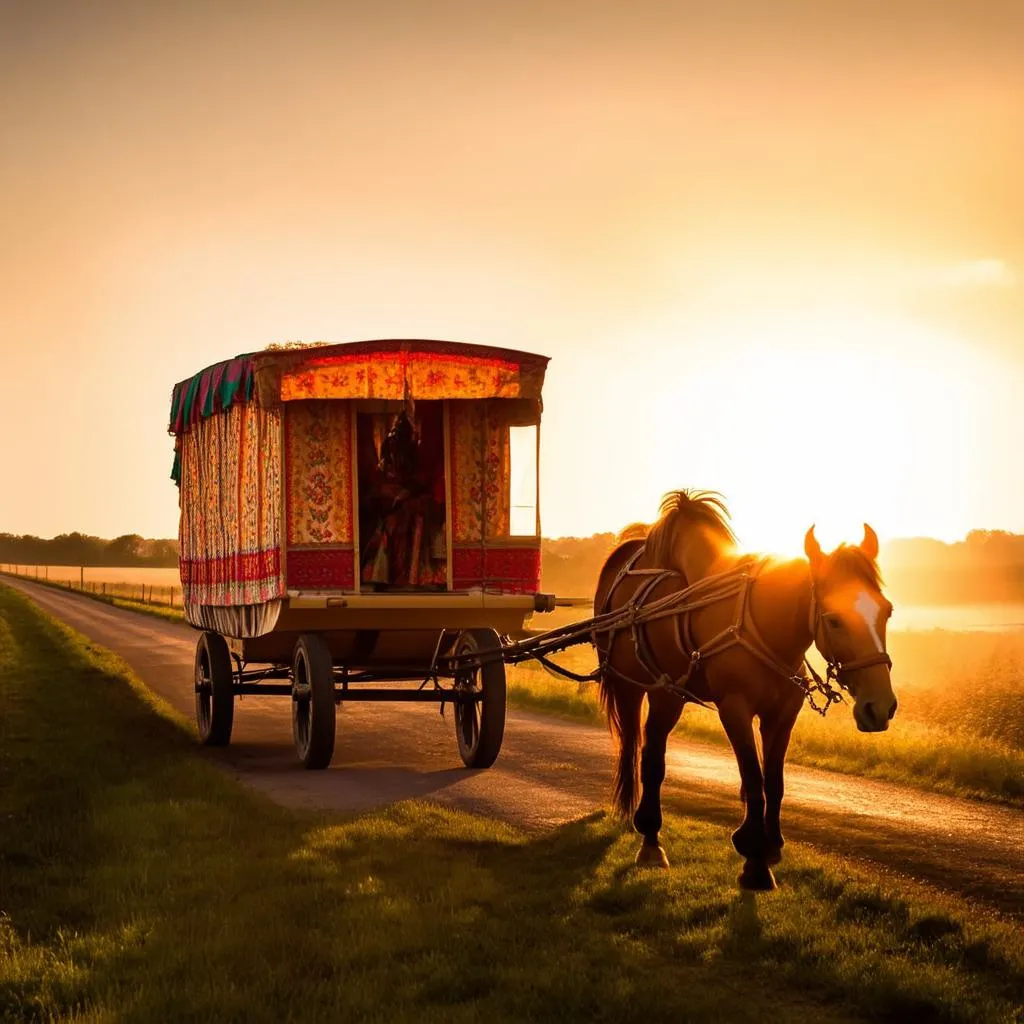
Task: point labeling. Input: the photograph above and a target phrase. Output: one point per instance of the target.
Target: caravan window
(523, 481)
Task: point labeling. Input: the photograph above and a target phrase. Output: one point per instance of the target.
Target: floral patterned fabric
(481, 469)
(443, 371)
(229, 533)
(318, 439)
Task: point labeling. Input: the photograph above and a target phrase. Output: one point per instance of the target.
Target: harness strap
(681, 605)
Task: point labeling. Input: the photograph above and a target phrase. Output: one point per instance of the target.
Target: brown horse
(732, 631)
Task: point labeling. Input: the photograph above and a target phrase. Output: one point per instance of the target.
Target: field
(142, 585)
(139, 883)
(165, 585)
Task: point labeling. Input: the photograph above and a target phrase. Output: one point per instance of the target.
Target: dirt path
(550, 772)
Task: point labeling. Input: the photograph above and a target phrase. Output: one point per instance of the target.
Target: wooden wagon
(358, 516)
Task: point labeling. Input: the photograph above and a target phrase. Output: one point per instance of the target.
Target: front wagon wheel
(215, 696)
(480, 723)
(313, 705)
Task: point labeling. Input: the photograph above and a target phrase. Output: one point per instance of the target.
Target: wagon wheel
(480, 724)
(313, 706)
(215, 696)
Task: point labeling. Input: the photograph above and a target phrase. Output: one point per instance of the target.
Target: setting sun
(830, 416)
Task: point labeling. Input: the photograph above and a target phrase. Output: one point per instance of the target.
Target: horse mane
(635, 531)
(851, 560)
(705, 508)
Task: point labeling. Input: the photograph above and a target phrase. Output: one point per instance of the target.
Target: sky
(774, 250)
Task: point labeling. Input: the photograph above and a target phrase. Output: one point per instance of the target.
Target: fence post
(81, 577)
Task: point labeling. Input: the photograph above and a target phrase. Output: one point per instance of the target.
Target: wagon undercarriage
(475, 688)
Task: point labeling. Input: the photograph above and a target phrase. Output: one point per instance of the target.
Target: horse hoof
(651, 855)
(757, 877)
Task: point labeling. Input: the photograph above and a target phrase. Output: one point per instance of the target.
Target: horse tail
(622, 703)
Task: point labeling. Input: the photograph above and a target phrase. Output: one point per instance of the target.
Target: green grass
(139, 883)
(959, 730)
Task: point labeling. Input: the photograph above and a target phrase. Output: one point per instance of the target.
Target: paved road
(550, 772)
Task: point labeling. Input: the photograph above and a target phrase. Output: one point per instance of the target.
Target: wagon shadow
(272, 769)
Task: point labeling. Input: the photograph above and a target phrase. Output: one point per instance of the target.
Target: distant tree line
(988, 565)
(82, 549)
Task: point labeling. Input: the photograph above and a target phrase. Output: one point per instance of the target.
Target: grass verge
(140, 883)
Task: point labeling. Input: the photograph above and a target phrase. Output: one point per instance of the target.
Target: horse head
(849, 614)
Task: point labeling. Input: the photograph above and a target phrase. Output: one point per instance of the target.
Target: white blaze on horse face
(867, 607)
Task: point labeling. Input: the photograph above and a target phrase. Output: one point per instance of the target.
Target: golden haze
(775, 252)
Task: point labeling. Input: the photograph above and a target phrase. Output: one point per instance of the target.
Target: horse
(700, 622)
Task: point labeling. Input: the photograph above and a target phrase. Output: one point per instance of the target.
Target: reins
(733, 584)
(736, 583)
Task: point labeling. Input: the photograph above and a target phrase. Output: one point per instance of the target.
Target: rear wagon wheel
(313, 705)
(215, 697)
(480, 724)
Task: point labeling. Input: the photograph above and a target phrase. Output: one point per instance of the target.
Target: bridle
(732, 584)
(835, 669)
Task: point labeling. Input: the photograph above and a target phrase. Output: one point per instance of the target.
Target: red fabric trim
(321, 570)
(236, 568)
(510, 570)
(459, 359)
(325, 354)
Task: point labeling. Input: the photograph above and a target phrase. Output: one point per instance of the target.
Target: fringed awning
(211, 390)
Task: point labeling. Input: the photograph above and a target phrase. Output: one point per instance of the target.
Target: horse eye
(834, 621)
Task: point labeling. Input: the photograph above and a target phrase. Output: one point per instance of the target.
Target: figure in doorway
(404, 508)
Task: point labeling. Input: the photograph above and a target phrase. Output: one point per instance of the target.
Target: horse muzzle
(874, 715)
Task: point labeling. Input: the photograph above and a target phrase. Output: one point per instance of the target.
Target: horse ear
(812, 549)
(869, 545)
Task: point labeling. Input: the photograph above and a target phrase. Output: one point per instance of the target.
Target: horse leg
(664, 711)
(775, 733)
(749, 838)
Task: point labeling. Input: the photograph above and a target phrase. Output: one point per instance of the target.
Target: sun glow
(833, 419)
